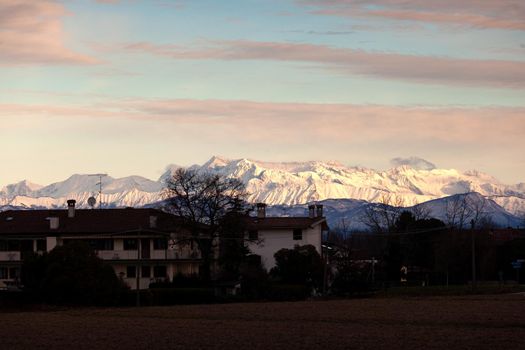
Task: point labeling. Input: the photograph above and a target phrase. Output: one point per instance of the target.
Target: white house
(267, 235)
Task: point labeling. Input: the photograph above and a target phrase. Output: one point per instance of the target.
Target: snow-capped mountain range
(297, 183)
(278, 184)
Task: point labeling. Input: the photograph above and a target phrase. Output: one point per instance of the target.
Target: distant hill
(353, 212)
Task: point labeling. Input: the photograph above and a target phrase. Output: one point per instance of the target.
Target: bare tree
(420, 211)
(466, 209)
(457, 212)
(342, 229)
(478, 209)
(340, 253)
(381, 217)
(206, 203)
(521, 215)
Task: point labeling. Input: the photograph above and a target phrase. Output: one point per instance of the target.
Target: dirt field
(474, 322)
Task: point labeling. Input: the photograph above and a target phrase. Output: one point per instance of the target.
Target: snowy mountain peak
(170, 169)
(216, 162)
(23, 187)
(286, 183)
(302, 182)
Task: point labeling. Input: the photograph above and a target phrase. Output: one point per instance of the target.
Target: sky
(129, 86)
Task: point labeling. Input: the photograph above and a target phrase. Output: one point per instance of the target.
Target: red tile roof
(85, 221)
(269, 223)
(90, 221)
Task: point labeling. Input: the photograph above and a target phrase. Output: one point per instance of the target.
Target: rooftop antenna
(99, 183)
(92, 201)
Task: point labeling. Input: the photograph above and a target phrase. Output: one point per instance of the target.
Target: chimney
(53, 223)
(311, 211)
(261, 210)
(319, 208)
(152, 221)
(71, 208)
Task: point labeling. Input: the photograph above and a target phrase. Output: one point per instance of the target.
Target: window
(13, 245)
(26, 245)
(41, 245)
(159, 244)
(14, 273)
(253, 235)
(297, 234)
(131, 271)
(3, 246)
(130, 244)
(92, 244)
(108, 244)
(3, 273)
(159, 271)
(101, 244)
(145, 271)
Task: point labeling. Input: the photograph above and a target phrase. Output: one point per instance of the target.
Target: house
(142, 245)
(267, 235)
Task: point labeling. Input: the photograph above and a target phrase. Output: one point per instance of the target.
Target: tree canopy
(71, 274)
(300, 265)
(211, 207)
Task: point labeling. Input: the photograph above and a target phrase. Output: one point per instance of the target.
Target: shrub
(301, 265)
(254, 278)
(71, 274)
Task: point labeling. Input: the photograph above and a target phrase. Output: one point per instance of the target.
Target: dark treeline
(402, 248)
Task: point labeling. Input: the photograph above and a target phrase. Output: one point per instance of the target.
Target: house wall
(172, 269)
(274, 240)
(11, 260)
(184, 259)
(51, 242)
(180, 260)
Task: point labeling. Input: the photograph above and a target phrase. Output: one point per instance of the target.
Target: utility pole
(373, 271)
(139, 266)
(473, 240)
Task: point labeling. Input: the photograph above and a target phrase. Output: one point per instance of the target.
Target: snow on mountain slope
(127, 191)
(443, 209)
(512, 204)
(86, 183)
(295, 183)
(280, 183)
(21, 188)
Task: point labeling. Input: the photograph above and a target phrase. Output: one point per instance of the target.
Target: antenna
(99, 183)
(92, 201)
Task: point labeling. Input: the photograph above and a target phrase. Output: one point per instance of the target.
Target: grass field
(461, 322)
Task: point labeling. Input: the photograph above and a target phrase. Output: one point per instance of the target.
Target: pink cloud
(424, 69)
(139, 131)
(502, 14)
(293, 123)
(31, 33)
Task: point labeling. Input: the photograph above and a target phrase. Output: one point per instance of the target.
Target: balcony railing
(117, 254)
(155, 254)
(10, 256)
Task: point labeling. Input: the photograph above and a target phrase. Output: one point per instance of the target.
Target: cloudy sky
(127, 87)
